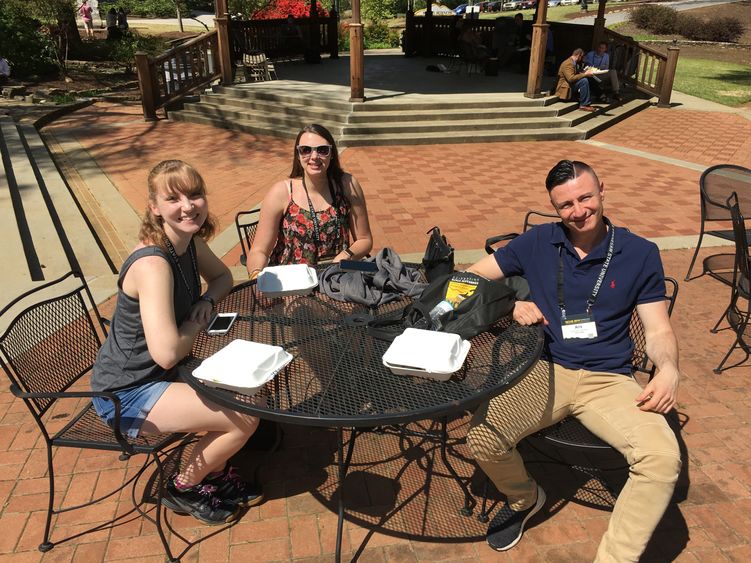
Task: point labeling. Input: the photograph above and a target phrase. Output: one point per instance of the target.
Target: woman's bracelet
(254, 273)
(348, 252)
(206, 297)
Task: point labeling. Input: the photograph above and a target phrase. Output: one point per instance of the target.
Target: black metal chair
(715, 186)
(737, 316)
(49, 345)
(246, 223)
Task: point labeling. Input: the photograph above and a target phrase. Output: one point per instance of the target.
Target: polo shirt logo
(612, 284)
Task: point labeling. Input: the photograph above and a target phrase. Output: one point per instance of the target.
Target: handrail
(177, 72)
(652, 71)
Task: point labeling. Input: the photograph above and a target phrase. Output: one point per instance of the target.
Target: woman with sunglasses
(318, 214)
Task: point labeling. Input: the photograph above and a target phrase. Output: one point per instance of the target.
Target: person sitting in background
(516, 50)
(122, 20)
(570, 79)
(4, 70)
(310, 217)
(472, 42)
(600, 60)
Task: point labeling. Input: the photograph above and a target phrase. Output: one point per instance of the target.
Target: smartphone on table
(358, 266)
(221, 323)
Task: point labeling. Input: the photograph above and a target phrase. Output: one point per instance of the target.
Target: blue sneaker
(233, 490)
(507, 526)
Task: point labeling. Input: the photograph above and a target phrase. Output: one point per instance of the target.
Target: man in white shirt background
(599, 59)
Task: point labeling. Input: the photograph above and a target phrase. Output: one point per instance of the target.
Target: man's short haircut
(603, 43)
(567, 170)
(577, 52)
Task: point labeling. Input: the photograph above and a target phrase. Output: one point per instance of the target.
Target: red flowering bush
(280, 9)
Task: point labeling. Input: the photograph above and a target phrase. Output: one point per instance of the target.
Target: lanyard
(598, 283)
(176, 262)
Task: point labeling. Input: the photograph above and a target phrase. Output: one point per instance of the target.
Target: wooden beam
(598, 33)
(356, 56)
(666, 88)
(537, 54)
(225, 56)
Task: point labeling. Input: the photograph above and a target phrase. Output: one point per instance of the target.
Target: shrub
(123, 51)
(29, 51)
(148, 8)
(727, 30)
(377, 35)
(343, 36)
(655, 18)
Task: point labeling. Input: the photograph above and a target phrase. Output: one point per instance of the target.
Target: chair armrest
(124, 444)
(496, 239)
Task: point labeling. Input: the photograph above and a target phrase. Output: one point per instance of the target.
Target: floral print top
(297, 243)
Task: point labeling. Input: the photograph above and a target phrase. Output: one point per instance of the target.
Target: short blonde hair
(172, 176)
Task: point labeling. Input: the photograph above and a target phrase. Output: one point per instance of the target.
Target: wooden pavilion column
(537, 54)
(356, 56)
(599, 29)
(221, 22)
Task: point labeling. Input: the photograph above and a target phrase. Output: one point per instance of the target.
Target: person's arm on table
(525, 312)
(151, 278)
(272, 209)
(218, 282)
(659, 395)
(359, 224)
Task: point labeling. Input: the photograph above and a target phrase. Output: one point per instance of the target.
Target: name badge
(579, 326)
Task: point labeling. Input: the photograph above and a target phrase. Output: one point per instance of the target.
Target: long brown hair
(172, 176)
(334, 171)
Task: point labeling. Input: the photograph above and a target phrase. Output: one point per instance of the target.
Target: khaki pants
(604, 403)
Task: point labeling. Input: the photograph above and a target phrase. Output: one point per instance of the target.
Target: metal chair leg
(46, 545)
(696, 253)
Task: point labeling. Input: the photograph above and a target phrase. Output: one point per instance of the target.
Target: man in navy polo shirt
(586, 279)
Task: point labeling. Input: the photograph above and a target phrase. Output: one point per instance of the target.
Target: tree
(377, 10)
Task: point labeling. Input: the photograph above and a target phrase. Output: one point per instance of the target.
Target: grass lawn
(721, 82)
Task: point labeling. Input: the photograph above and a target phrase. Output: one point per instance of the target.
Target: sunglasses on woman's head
(306, 150)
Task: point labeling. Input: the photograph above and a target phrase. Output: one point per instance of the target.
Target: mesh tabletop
(337, 377)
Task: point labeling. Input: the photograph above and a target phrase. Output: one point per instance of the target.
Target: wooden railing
(177, 72)
(651, 71)
(276, 39)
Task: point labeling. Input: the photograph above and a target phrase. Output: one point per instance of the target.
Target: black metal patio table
(337, 378)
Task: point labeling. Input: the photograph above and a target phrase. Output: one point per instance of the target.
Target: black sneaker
(200, 502)
(507, 526)
(233, 490)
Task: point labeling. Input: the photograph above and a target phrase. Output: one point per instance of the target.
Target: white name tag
(579, 326)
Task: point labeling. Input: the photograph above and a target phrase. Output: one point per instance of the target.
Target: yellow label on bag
(459, 289)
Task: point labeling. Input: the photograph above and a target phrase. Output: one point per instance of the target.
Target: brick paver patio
(471, 191)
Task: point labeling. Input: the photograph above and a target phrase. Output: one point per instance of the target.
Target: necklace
(193, 289)
(314, 215)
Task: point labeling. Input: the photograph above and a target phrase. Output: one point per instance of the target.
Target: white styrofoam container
(426, 353)
(293, 279)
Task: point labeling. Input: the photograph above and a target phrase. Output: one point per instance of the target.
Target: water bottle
(437, 312)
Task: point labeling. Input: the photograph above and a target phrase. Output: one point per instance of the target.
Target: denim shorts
(135, 404)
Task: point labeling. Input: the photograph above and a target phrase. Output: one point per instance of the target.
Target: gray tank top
(124, 360)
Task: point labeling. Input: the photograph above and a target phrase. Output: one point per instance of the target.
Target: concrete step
(361, 128)
(316, 114)
(476, 136)
(85, 245)
(272, 92)
(611, 115)
(33, 216)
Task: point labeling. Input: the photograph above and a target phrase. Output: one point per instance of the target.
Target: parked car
(569, 2)
(494, 6)
(512, 5)
(460, 9)
(553, 3)
(528, 4)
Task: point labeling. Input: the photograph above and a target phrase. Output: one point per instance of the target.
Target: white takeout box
(426, 353)
(243, 366)
(294, 279)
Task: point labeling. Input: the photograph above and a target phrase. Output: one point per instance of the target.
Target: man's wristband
(348, 252)
(206, 297)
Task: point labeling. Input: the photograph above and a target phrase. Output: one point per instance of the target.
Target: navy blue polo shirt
(635, 276)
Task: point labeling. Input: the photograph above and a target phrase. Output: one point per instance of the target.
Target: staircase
(279, 109)
(43, 232)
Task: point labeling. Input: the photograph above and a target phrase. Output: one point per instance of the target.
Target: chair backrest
(742, 268)
(639, 358)
(246, 223)
(717, 183)
(54, 339)
(533, 218)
